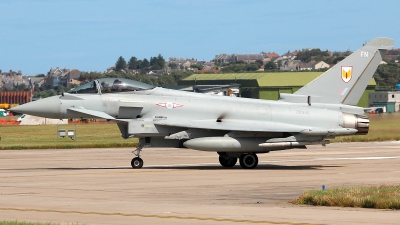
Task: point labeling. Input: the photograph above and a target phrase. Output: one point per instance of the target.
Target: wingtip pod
(381, 43)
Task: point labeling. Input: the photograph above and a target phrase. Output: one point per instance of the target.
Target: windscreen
(111, 85)
(88, 88)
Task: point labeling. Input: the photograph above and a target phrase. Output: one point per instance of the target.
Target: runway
(182, 186)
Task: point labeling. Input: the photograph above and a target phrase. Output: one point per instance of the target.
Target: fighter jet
(235, 128)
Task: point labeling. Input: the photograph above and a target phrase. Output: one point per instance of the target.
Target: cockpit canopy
(110, 85)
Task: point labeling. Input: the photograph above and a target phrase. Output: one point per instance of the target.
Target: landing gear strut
(248, 161)
(137, 162)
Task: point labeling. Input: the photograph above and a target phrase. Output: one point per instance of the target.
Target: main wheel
(226, 161)
(248, 161)
(137, 163)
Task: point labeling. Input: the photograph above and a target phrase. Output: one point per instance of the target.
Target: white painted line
(174, 165)
(336, 159)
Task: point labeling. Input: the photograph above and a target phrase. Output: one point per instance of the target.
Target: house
(270, 54)
(314, 65)
(181, 64)
(156, 72)
(34, 81)
(248, 58)
(186, 64)
(392, 54)
(289, 65)
(11, 79)
(307, 66)
(134, 71)
(224, 58)
(71, 77)
(289, 54)
(321, 65)
(56, 77)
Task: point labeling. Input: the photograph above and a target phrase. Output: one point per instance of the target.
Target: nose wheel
(137, 162)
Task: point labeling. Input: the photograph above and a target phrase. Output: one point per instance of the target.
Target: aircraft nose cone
(48, 107)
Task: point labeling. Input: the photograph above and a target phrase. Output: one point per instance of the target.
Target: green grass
(383, 197)
(23, 223)
(27, 223)
(45, 137)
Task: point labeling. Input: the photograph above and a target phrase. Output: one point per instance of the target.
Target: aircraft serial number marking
(302, 112)
(157, 118)
(130, 101)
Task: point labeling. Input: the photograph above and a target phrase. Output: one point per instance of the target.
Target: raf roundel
(169, 105)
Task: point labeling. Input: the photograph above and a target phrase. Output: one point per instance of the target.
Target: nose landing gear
(137, 162)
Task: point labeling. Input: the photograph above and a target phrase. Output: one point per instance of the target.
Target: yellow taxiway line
(154, 216)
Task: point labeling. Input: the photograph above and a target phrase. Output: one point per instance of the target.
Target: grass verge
(45, 137)
(23, 223)
(382, 197)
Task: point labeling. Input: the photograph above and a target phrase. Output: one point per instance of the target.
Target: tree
(270, 66)
(198, 66)
(21, 87)
(338, 59)
(387, 75)
(157, 63)
(120, 64)
(316, 54)
(61, 89)
(330, 60)
(260, 63)
(133, 63)
(173, 65)
(252, 67)
(145, 63)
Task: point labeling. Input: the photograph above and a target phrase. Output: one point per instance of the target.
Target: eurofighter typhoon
(235, 128)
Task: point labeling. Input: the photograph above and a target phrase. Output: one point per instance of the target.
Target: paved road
(181, 186)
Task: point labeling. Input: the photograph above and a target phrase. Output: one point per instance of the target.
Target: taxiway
(182, 186)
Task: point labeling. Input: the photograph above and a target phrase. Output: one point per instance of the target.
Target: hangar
(266, 85)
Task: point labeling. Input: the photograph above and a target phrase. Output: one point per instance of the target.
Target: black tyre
(137, 163)
(226, 161)
(248, 161)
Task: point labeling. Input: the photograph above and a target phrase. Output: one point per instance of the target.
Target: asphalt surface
(181, 186)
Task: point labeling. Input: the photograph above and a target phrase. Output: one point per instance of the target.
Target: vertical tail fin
(346, 81)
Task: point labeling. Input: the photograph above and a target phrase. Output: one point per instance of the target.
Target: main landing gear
(137, 162)
(247, 160)
(227, 161)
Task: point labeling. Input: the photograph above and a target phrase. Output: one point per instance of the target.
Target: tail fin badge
(347, 72)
